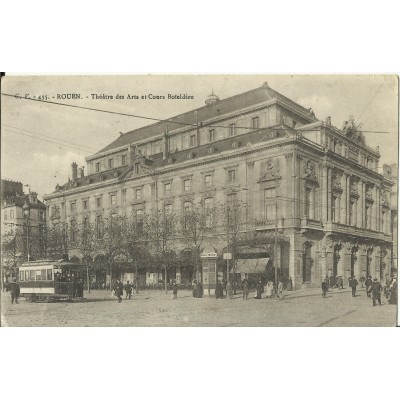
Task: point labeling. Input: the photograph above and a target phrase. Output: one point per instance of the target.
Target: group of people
(270, 290)
(373, 288)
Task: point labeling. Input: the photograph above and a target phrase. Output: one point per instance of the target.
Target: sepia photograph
(199, 200)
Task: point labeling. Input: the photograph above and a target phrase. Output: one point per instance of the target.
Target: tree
(86, 244)
(232, 216)
(111, 234)
(57, 240)
(161, 230)
(197, 220)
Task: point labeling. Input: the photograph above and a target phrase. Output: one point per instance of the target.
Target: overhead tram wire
(49, 141)
(47, 136)
(167, 120)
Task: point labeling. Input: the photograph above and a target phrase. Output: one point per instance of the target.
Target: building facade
(313, 201)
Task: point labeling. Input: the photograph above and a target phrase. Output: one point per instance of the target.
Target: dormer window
(192, 140)
(98, 167)
(255, 122)
(211, 135)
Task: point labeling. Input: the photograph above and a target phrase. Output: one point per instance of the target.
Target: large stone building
(309, 188)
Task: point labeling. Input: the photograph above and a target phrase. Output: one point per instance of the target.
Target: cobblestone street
(155, 308)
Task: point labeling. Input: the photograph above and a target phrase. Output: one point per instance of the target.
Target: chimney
(74, 167)
(328, 121)
(166, 147)
(81, 173)
(32, 197)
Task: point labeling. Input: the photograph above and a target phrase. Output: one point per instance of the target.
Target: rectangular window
(367, 215)
(139, 220)
(333, 215)
(39, 275)
(49, 274)
(351, 213)
(85, 204)
(137, 168)
(270, 193)
(5, 215)
(211, 135)
(307, 204)
(232, 130)
(187, 206)
(113, 199)
(270, 204)
(73, 207)
(110, 163)
(187, 185)
(21, 275)
(98, 202)
(41, 215)
(167, 188)
(383, 228)
(138, 194)
(254, 122)
(270, 212)
(12, 214)
(231, 175)
(32, 275)
(98, 167)
(99, 227)
(123, 160)
(192, 141)
(123, 196)
(26, 275)
(232, 210)
(207, 180)
(208, 211)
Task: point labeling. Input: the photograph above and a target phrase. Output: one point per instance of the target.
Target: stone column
(359, 212)
(343, 200)
(329, 194)
(324, 193)
(250, 198)
(378, 209)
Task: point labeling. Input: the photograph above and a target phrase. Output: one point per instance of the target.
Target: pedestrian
(14, 291)
(353, 284)
(229, 290)
(260, 290)
(324, 287)
(219, 290)
(341, 282)
(280, 289)
(245, 289)
(119, 288)
(270, 289)
(175, 289)
(199, 290)
(128, 290)
(290, 284)
(376, 292)
(393, 291)
(332, 281)
(194, 288)
(368, 286)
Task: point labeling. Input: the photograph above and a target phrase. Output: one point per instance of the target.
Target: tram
(48, 280)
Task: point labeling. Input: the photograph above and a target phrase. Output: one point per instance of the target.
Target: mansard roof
(231, 104)
(158, 161)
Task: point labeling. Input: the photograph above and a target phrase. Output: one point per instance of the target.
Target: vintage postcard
(199, 200)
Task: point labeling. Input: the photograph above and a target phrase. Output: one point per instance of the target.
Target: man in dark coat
(353, 284)
(199, 290)
(128, 290)
(245, 289)
(175, 289)
(119, 290)
(376, 292)
(368, 285)
(14, 291)
(393, 292)
(219, 290)
(194, 288)
(260, 289)
(324, 287)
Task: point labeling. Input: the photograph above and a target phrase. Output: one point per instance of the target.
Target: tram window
(38, 275)
(49, 275)
(27, 275)
(21, 275)
(43, 273)
(31, 275)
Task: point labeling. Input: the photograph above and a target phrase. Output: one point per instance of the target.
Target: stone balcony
(335, 227)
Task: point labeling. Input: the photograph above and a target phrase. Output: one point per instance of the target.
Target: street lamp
(25, 209)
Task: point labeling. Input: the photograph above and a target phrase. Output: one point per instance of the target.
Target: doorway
(307, 262)
(353, 261)
(336, 259)
(369, 261)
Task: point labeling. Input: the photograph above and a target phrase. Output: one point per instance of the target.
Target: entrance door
(336, 258)
(369, 261)
(307, 262)
(354, 251)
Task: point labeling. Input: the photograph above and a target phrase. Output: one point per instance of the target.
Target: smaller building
(23, 226)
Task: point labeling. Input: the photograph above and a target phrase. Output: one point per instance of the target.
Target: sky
(39, 141)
